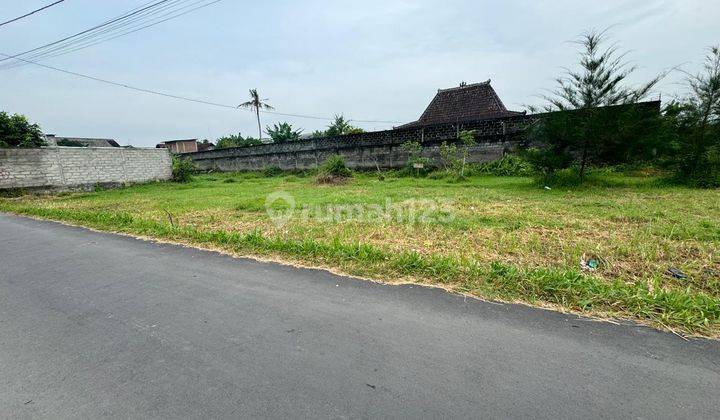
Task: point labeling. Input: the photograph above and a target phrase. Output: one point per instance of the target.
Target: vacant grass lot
(494, 237)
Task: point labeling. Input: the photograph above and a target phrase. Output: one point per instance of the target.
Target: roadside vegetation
(490, 236)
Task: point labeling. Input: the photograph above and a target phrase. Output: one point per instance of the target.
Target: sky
(378, 60)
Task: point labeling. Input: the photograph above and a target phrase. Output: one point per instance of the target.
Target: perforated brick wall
(370, 150)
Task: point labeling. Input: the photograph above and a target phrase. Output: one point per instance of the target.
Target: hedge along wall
(370, 150)
(77, 167)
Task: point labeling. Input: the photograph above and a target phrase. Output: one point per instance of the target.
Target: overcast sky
(369, 60)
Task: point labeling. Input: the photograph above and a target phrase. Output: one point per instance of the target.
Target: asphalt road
(96, 325)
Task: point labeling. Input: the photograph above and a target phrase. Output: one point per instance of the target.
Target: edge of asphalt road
(626, 335)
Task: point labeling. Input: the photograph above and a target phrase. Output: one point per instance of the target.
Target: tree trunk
(257, 112)
(583, 160)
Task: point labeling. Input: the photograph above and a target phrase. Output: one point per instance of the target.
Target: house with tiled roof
(467, 102)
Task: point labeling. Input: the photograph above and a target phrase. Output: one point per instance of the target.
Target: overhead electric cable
(107, 31)
(65, 49)
(31, 13)
(121, 17)
(169, 95)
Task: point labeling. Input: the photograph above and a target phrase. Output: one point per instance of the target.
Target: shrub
(546, 161)
(417, 165)
(333, 170)
(509, 165)
(454, 156)
(271, 171)
(182, 169)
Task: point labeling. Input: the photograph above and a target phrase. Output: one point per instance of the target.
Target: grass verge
(684, 309)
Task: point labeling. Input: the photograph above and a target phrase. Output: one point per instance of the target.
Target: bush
(333, 170)
(182, 169)
(271, 171)
(509, 165)
(707, 173)
(454, 157)
(417, 165)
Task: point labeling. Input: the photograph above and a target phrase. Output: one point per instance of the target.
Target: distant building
(53, 140)
(180, 146)
(186, 146)
(205, 145)
(475, 101)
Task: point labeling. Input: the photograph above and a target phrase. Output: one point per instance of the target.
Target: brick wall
(76, 167)
(370, 150)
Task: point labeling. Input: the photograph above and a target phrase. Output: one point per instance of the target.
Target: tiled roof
(467, 102)
(179, 141)
(87, 142)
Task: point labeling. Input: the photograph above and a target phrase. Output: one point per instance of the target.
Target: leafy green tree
(283, 132)
(695, 125)
(579, 131)
(256, 104)
(236, 140)
(340, 126)
(16, 131)
(231, 140)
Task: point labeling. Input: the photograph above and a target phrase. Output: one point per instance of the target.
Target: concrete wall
(369, 150)
(76, 167)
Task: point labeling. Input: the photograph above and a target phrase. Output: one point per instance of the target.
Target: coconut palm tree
(256, 104)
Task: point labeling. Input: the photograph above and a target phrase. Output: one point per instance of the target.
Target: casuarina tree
(581, 128)
(695, 121)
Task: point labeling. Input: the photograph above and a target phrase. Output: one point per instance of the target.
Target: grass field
(493, 237)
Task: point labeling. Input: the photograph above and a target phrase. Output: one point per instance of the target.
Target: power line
(96, 37)
(31, 13)
(121, 17)
(183, 98)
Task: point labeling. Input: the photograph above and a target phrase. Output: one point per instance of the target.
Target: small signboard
(418, 165)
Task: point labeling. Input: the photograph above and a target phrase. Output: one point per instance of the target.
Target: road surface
(97, 325)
